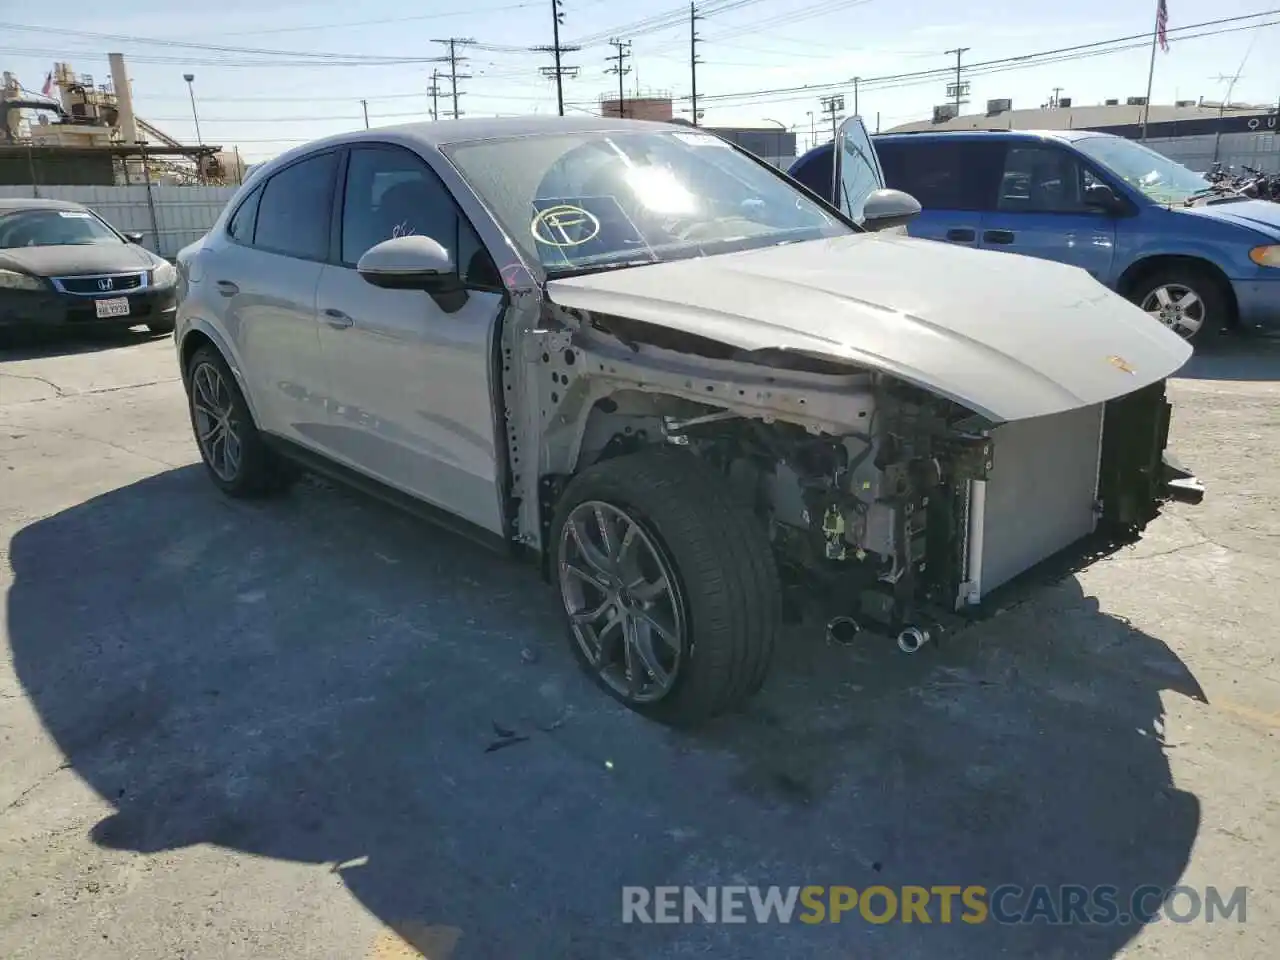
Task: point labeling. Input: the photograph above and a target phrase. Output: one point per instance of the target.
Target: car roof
(1064, 135)
(13, 204)
(434, 134)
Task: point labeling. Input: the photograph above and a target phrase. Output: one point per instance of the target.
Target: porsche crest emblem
(1120, 363)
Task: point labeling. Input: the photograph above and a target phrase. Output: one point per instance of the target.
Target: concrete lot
(248, 731)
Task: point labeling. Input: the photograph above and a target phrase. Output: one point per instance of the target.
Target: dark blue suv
(1192, 255)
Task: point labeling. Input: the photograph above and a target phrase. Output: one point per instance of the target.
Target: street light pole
(190, 78)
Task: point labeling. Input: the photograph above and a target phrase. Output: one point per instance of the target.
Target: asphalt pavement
(282, 730)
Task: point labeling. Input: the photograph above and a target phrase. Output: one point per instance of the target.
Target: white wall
(1258, 150)
(182, 214)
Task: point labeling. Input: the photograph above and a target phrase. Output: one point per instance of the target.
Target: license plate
(115, 307)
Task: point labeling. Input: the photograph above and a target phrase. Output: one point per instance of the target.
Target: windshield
(1161, 179)
(52, 228)
(589, 200)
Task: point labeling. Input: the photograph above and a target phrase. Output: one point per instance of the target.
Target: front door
(856, 170)
(1040, 210)
(412, 380)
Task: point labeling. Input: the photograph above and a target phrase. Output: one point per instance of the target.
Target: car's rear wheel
(668, 585)
(1188, 301)
(234, 452)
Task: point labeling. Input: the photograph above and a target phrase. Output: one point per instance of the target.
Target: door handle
(227, 288)
(337, 319)
(998, 236)
(962, 235)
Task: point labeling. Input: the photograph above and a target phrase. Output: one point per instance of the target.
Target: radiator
(1039, 497)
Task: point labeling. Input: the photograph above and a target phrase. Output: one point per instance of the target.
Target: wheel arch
(1138, 271)
(200, 335)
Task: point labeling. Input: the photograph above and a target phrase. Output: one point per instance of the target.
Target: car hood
(1260, 215)
(77, 259)
(1008, 336)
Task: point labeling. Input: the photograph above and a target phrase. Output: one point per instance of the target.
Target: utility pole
(559, 71)
(959, 88)
(434, 90)
(856, 81)
(365, 106)
(693, 57)
(620, 58)
(454, 59)
(1053, 101)
(833, 106)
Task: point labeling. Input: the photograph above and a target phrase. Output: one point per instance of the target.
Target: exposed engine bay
(890, 506)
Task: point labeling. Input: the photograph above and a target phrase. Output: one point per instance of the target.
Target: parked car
(1188, 251)
(656, 366)
(61, 265)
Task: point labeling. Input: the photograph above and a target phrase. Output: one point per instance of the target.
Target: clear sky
(267, 103)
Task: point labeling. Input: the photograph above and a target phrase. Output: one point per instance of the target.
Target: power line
(559, 71)
(624, 53)
(454, 59)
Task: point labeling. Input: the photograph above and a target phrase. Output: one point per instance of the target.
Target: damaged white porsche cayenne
(674, 378)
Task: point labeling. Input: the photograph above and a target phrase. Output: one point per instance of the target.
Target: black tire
(727, 582)
(261, 472)
(1218, 310)
(161, 326)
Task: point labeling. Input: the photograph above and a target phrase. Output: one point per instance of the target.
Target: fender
(202, 326)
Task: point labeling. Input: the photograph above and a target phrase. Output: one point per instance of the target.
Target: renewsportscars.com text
(1007, 904)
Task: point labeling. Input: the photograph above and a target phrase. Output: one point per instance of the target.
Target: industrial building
(79, 132)
(1196, 133)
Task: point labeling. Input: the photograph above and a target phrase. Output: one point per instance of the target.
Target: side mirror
(889, 208)
(135, 238)
(1103, 197)
(414, 262)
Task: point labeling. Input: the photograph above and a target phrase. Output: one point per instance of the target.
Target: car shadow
(321, 680)
(41, 344)
(1235, 358)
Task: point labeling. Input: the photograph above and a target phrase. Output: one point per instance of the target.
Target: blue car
(1190, 254)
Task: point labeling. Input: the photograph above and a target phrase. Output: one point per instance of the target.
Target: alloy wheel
(623, 601)
(1178, 307)
(217, 428)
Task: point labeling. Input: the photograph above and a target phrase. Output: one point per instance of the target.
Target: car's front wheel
(234, 452)
(1189, 302)
(668, 584)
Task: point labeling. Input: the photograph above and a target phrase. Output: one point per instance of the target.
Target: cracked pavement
(241, 731)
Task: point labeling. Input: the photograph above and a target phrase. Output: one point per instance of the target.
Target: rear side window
(294, 210)
(942, 174)
(240, 227)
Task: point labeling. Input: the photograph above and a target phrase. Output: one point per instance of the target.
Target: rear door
(856, 173)
(954, 180)
(265, 271)
(1040, 209)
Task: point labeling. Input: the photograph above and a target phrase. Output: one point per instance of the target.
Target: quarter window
(241, 226)
(293, 212)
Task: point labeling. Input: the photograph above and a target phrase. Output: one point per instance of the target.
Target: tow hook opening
(842, 631)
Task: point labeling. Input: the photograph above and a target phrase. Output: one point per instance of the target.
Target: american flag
(1162, 25)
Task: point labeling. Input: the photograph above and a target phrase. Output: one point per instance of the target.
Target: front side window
(1161, 179)
(293, 214)
(1042, 178)
(860, 174)
(391, 193)
(53, 228)
(593, 200)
